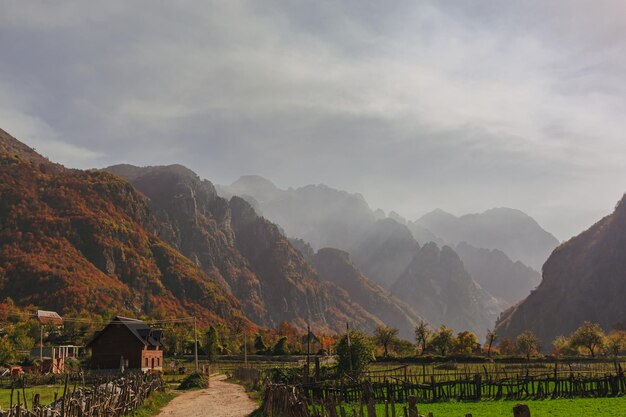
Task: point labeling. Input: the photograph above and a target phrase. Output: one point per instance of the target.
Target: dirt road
(221, 399)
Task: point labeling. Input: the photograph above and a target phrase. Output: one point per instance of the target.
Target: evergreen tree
(259, 344)
(211, 344)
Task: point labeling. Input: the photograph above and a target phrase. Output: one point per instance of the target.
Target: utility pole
(308, 344)
(195, 345)
(308, 352)
(41, 346)
(245, 347)
(349, 349)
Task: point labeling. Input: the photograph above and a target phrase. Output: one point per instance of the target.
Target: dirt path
(221, 399)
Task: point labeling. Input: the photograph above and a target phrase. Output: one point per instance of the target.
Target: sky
(414, 104)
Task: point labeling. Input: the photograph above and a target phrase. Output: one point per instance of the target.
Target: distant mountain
(385, 251)
(437, 283)
(584, 279)
(423, 235)
(75, 241)
(511, 231)
(382, 248)
(335, 266)
(497, 273)
(273, 280)
(320, 215)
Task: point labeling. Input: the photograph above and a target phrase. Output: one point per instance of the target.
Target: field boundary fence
(287, 401)
(108, 398)
(397, 390)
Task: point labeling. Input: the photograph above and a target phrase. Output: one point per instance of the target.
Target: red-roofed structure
(49, 317)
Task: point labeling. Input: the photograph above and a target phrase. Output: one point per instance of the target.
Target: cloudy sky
(463, 105)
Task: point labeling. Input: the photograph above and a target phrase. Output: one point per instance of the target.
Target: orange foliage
(84, 241)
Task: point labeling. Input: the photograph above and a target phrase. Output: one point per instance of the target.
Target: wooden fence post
(521, 410)
(412, 406)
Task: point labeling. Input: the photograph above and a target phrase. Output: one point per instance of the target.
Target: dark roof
(140, 329)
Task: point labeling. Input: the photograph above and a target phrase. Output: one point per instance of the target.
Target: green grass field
(46, 393)
(596, 407)
(154, 403)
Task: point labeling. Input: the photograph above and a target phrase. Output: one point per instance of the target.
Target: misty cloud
(461, 105)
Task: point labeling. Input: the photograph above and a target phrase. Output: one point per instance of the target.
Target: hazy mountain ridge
(382, 248)
(582, 280)
(318, 214)
(497, 273)
(509, 230)
(273, 280)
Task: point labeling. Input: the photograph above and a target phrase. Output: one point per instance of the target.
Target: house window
(146, 362)
(158, 362)
(152, 363)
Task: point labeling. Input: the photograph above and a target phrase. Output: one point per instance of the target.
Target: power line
(101, 322)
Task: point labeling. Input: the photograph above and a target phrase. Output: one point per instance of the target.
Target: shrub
(354, 359)
(194, 381)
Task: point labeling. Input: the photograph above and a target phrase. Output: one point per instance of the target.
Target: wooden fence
(288, 401)
(471, 388)
(397, 392)
(113, 398)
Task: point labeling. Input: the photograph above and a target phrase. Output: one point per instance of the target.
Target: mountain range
(162, 241)
(386, 248)
(511, 231)
(93, 243)
(272, 279)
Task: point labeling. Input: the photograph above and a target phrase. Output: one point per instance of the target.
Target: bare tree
(527, 344)
(422, 336)
(384, 336)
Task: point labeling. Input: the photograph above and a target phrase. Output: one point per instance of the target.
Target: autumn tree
(7, 351)
(507, 347)
(443, 340)
(176, 338)
(465, 343)
(354, 353)
(384, 336)
(615, 342)
(560, 346)
(491, 338)
(22, 335)
(422, 335)
(527, 344)
(588, 336)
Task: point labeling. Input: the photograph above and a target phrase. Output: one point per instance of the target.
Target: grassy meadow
(596, 407)
(46, 393)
